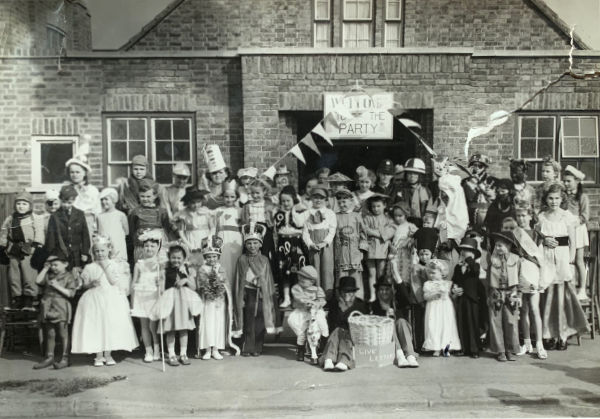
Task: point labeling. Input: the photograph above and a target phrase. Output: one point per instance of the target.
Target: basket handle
(355, 312)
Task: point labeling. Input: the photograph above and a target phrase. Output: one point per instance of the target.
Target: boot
(45, 363)
(63, 363)
(300, 353)
(28, 303)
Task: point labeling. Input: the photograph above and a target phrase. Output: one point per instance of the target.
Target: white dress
(102, 321)
(440, 318)
(88, 201)
(113, 224)
(145, 289)
(212, 329)
(555, 267)
(228, 228)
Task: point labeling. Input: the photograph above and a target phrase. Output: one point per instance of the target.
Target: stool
(18, 325)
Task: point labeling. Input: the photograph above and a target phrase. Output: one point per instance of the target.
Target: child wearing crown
(214, 330)
(254, 294)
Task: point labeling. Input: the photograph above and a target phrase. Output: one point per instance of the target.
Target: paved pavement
(566, 384)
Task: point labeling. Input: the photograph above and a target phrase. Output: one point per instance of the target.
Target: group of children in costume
(453, 261)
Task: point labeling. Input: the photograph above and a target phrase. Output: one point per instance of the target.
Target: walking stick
(160, 319)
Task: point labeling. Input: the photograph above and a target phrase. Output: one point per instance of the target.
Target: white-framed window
(571, 139)
(393, 23)
(163, 138)
(55, 38)
(357, 26)
(322, 24)
(48, 157)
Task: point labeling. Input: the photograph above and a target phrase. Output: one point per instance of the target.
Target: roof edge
(151, 25)
(556, 20)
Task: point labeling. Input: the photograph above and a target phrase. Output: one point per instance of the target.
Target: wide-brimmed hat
(383, 281)
(282, 170)
(505, 236)
(414, 166)
(308, 272)
(338, 177)
(181, 169)
(470, 245)
(347, 284)
(479, 158)
(193, 194)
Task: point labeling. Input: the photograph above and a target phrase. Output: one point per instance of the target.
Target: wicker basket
(370, 330)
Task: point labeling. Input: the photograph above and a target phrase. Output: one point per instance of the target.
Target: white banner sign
(359, 115)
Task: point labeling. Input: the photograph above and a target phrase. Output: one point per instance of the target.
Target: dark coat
(69, 234)
(338, 318)
(469, 281)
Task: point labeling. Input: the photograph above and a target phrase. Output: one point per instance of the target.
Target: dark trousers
(254, 322)
(467, 317)
(339, 348)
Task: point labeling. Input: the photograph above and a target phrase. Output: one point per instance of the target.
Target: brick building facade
(250, 76)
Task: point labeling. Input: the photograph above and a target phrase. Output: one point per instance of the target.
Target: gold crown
(254, 231)
(212, 246)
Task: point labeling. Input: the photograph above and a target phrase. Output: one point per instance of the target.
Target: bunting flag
(310, 143)
(331, 119)
(270, 172)
(295, 150)
(409, 123)
(495, 119)
(318, 129)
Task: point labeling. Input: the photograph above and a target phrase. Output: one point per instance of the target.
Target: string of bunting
(496, 119)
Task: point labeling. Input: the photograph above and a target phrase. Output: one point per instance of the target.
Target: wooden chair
(18, 326)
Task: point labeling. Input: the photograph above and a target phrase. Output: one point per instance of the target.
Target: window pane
(588, 127)
(350, 9)
(322, 9)
(118, 151)
(570, 126)
(545, 148)
(546, 127)
(118, 171)
(589, 168)
(589, 146)
(533, 172)
(357, 35)
(393, 9)
(182, 151)
(137, 147)
(570, 147)
(163, 173)
(118, 129)
(162, 129)
(181, 129)
(364, 10)
(392, 34)
(322, 35)
(164, 151)
(54, 157)
(528, 127)
(137, 129)
(528, 149)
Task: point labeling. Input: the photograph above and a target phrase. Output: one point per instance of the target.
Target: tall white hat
(213, 158)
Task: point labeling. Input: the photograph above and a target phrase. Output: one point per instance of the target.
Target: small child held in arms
(254, 296)
(380, 230)
(22, 232)
(213, 286)
(56, 312)
(441, 331)
(178, 304)
(308, 303)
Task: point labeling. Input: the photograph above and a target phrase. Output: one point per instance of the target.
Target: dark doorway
(346, 155)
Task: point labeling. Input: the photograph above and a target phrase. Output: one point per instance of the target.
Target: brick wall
(38, 100)
(23, 26)
(462, 90)
(485, 24)
(223, 24)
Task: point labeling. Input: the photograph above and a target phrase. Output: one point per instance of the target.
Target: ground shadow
(586, 374)
(528, 405)
(582, 394)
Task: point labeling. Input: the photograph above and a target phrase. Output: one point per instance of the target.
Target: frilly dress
(440, 318)
(145, 290)
(102, 321)
(177, 307)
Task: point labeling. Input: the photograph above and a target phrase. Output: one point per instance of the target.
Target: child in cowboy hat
(468, 293)
(338, 353)
(502, 268)
(308, 302)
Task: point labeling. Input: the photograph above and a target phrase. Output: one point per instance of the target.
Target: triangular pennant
(298, 153)
(310, 143)
(331, 119)
(318, 129)
(396, 111)
(409, 123)
(270, 172)
(343, 111)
